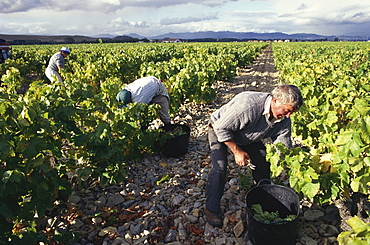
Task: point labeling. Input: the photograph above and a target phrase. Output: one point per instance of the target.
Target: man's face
(280, 110)
(65, 54)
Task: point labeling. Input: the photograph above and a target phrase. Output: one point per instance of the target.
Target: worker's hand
(250, 165)
(242, 159)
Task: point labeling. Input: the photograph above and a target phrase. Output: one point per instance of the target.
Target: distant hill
(255, 36)
(189, 36)
(62, 39)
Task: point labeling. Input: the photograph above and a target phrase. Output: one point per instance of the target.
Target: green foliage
(360, 234)
(246, 181)
(163, 179)
(333, 124)
(76, 127)
(191, 75)
(269, 217)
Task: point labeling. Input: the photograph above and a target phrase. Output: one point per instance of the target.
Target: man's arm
(60, 67)
(241, 157)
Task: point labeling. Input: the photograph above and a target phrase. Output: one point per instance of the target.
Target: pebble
(182, 232)
(171, 236)
(233, 181)
(313, 215)
(116, 199)
(239, 228)
(76, 224)
(74, 199)
(197, 204)
(100, 202)
(191, 218)
(97, 220)
(108, 230)
(308, 241)
(120, 241)
(128, 203)
(136, 229)
(178, 199)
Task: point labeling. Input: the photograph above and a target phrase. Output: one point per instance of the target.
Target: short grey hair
(288, 94)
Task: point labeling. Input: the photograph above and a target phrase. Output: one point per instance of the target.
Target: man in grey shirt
(147, 90)
(239, 126)
(57, 62)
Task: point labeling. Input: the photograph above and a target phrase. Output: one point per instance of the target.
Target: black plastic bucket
(178, 145)
(273, 198)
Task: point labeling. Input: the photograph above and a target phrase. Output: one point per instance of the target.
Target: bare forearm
(60, 68)
(235, 149)
(241, 157)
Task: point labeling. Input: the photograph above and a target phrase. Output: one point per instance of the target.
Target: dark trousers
(217, 176)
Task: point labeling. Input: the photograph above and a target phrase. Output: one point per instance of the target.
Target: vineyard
(54, 129)
(334, 127)
(335, 121)
(51, 130)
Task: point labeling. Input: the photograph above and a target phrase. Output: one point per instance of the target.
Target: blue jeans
(217, 176)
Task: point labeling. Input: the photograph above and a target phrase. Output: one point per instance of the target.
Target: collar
(266, 111)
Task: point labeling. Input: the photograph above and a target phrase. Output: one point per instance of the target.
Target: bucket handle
(262, 180)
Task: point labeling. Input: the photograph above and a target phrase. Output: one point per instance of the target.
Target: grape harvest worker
(4, 51)
(56, 63)
(239, 126)
(147, 90)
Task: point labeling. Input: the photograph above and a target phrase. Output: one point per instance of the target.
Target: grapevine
(334, 123)
(53, 131)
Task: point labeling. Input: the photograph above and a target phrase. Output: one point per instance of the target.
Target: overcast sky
(154, 17)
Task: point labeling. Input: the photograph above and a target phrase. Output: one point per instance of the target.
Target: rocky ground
(143, 211)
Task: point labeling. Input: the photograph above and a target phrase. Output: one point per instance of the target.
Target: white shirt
(144, 89)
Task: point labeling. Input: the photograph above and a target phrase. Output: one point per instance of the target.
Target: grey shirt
(243, 120)
(56, 60)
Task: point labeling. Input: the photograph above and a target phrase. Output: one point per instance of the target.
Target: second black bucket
(178, 145)
(273, 198)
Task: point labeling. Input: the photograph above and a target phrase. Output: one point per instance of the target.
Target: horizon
(134, 35)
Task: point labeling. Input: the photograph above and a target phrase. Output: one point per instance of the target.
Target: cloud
(185, 20)
(26, 28)
(11, 6)
(14, 6)
(119, 27)
(120, 23)
(155, 17)
(302, 7)
(324, 17)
